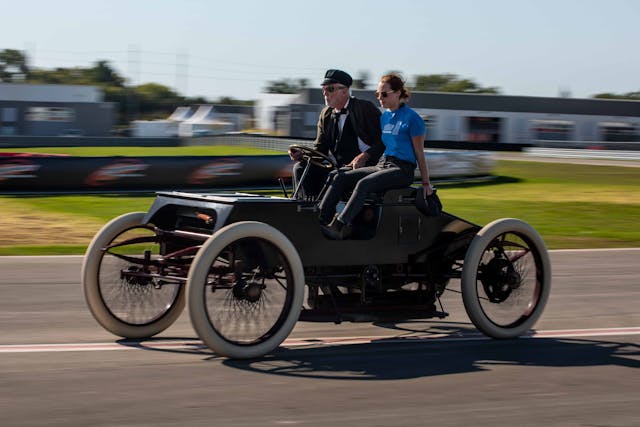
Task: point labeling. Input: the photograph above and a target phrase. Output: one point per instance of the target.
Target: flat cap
(337, 76)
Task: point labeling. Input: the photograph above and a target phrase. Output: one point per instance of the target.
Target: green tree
(360, 82)
(13, 66)
(196, 100)
(449, 83)
(286, 86)
(227, 100)
(102, 73)
(69, 76)
(634, 96)
(156, 99)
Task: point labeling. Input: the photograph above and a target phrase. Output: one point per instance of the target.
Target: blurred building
(197, 120)
(54, 110)
(272, 108)
(485, 118)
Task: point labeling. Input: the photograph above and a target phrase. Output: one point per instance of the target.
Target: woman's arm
(418, 148)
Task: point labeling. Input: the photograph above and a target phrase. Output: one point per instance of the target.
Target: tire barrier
(85, 141)
(22, 173)
(42, 174)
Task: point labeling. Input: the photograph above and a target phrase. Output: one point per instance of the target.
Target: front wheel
(122, 284)
(245, 290)
(506, 278)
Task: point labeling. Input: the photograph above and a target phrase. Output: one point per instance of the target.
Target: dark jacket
(364, 117)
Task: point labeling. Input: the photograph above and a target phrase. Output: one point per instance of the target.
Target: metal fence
(266, 142)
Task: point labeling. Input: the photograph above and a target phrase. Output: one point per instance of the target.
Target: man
(348, 129)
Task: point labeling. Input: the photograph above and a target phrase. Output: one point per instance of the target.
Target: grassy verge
(572, 206)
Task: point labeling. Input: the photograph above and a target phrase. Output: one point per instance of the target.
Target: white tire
(245, 290)
(506, 278)
(126, 309)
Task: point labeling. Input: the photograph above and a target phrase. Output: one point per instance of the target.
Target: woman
(403, 136)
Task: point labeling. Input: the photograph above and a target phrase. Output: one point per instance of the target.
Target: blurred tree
(69, 76)
(634, 96)
(196, 100)
(156, 99)
(432, 82)
(227, 100)
(286, 86)
(103, 73)
(13, 66)
(449, 83)
(360, 82)
(156, 93)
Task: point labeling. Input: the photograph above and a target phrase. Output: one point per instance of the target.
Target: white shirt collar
(337, 110)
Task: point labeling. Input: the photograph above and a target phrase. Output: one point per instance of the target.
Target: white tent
(203, 122)
(154, 128)
(180, 114)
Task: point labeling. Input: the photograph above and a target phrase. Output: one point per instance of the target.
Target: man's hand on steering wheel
(312, 156)
(295, 154)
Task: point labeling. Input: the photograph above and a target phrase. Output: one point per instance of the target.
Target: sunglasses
(331, 89)
(383, 94)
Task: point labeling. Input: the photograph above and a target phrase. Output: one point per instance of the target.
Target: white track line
(300, 342)
(10, 258)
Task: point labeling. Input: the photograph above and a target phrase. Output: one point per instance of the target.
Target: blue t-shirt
(398, 127)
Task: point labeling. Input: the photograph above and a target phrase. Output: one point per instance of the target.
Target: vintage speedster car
(250, 266)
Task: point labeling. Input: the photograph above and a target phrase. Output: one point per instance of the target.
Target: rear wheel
(122, 295)
(245, 290)
(506, 278)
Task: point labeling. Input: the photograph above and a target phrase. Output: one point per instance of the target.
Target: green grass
(196, 150)
(101, 208)
(32, 250)
(571, 206)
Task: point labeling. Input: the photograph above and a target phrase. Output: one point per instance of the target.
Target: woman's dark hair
(396, 83)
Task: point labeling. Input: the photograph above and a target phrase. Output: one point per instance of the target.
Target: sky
(214, 48)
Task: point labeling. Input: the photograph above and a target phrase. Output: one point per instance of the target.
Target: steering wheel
(315, 157)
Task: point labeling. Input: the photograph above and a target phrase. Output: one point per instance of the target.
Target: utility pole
(182, 72)
(134, 75)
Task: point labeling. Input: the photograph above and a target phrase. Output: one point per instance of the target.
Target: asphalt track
(579, 368)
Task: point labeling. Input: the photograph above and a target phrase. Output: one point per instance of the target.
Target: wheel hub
(134, 276)
(499, 278)
(248, 291)
(371, 277)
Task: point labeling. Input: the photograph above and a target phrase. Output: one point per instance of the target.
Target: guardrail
(579, 153)
(266, 142)
(590, 145)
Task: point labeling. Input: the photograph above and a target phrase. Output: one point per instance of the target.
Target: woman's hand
(427, 189)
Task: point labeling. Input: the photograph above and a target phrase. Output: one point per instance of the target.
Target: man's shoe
(324, 221)
(337, 230)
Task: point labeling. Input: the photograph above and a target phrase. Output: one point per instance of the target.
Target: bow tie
(336, 114)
